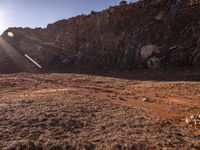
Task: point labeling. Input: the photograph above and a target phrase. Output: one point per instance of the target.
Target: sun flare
(10, 34)
(2, 21)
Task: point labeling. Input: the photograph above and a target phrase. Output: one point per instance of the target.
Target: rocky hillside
(146, 34)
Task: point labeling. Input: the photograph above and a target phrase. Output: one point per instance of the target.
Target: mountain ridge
(126, 37)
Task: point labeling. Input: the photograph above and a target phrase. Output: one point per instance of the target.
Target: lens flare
(10, 34)
(33, 61)
(21, 62)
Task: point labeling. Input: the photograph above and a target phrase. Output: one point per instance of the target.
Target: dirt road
(145, 110)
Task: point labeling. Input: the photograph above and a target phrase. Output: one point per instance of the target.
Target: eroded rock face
(112, 38)
(6, 63)
(196, 54)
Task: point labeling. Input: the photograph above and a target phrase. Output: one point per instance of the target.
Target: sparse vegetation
(123, 2)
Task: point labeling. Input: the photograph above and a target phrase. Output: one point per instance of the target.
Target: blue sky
(39, 13)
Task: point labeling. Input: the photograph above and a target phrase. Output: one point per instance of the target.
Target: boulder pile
(145, 34)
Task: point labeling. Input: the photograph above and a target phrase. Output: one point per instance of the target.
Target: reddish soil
(74, 111)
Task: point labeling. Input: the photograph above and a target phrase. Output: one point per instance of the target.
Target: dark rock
(123, 37)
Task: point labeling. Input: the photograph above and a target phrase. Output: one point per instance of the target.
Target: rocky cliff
(146, 34)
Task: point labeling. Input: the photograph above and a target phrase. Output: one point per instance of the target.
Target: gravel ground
(63, 111)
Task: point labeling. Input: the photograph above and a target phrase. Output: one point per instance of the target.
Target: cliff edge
(146, 34)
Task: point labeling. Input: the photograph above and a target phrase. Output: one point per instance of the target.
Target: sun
(2, 21)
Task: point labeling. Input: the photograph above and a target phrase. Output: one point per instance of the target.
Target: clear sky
(39, 13)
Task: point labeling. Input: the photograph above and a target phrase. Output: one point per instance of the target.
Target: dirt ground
(75, 111)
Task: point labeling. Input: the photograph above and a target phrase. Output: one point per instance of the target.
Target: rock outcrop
(146, 34)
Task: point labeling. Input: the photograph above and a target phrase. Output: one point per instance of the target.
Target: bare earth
(74, 111)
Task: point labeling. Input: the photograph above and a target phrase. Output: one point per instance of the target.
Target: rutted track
(96, 112)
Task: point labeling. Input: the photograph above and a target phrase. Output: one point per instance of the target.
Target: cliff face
(146, 34)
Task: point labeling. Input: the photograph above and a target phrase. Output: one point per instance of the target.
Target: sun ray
(2, 21)
(17, 57)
